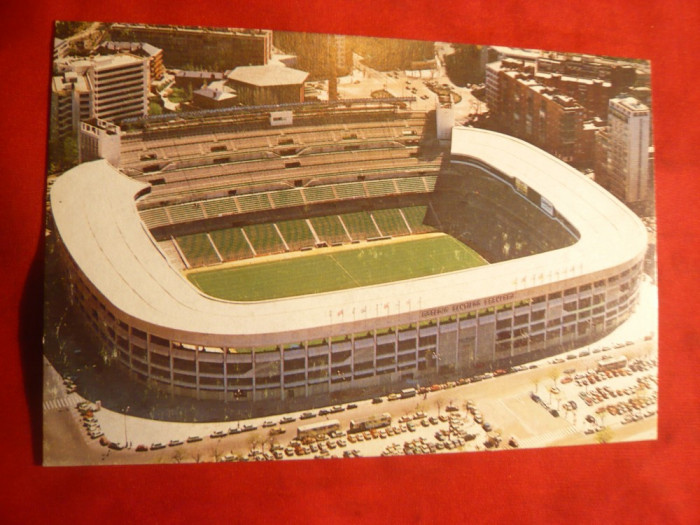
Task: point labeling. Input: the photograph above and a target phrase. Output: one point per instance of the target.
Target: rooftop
(70, 80)
(270, 75)
(214, 94)
(630, 103)
(107, 61)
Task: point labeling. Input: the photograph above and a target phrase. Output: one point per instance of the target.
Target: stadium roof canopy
(94, 208)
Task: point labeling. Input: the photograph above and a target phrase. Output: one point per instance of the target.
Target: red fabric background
(650, 482)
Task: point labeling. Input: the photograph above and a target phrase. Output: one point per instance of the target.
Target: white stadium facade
(449, 325)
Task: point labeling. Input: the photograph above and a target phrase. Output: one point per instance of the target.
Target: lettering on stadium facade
(466, 306)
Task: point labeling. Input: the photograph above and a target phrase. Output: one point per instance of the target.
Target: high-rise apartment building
(628, 149)
(528, 110)
(118, 87)
(111, 88)
(142, 50)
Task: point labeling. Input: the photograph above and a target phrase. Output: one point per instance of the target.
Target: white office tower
(445, 117)
(629, 149)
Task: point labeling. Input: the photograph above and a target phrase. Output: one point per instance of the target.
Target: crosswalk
(70, 400)
(542, 440)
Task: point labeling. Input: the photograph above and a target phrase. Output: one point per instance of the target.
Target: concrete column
(306, 368)
(396, 348)
(459, 322)
(148, 354)
(281, 372)
(196, 370)
(374, 355)
(437, 346)
(172, 367)
(330, 370)
(225, 373)
(131, 351)
(252, 359)
(417, 342)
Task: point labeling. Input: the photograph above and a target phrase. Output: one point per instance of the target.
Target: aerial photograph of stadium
(268, 245)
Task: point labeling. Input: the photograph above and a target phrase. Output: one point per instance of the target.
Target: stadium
(231, 256)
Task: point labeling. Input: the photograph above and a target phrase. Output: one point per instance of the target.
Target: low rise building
(214, 96)
(99, 139)
(187, 79)
(70, 102)
(272, 84)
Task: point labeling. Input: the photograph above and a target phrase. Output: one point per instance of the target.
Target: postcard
(267, 246)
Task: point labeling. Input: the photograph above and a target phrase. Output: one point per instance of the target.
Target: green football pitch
(337, 269)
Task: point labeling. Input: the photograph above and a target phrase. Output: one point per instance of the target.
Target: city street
(364, 81)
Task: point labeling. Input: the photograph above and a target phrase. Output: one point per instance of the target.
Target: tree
(270, 441)
(253, 441)
(66, 29)
(601, 416)
(464, 65)
(558, 399)
(70, 152)
(554, 374)
(154, 108)
(640, 396)
(604, 435)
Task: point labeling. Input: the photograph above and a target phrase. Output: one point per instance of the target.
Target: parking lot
(363, 81)
(509, 411)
